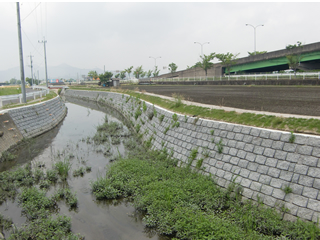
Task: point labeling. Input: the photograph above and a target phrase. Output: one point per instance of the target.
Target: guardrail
(41, 93)
(275, 76)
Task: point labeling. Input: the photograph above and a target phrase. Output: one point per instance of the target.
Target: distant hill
(61, 71)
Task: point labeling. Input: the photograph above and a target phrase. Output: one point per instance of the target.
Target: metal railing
(271, 76)
(10, 98)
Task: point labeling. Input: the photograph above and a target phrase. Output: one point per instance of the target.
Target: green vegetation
(228, 60)
(287, 189)
(220, 146)
(161, 117)
(183, 204)
(292, 137)
(36, 206)
(9, 90)
(63, 168)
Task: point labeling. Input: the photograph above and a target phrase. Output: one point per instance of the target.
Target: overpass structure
(277, 61)
(261, 63)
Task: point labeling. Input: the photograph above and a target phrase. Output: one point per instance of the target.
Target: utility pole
(23, 87)
(45, 59)
(31, 69)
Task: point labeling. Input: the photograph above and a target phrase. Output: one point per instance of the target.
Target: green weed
(63, 168)
(161, 118)
(292, 137)
(220, 146)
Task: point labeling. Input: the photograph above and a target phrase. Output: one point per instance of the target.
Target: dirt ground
(302, 100)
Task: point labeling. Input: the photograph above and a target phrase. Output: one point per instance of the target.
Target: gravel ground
(300, 100)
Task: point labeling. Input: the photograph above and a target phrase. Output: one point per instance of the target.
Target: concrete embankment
(29, 121)
(268, 166)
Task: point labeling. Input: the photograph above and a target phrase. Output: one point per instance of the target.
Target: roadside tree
(149, 73)
(156, 72)
(122, 74)
(129, 70)
(228, 60)
(173, 67)
(256, 53)
(138, 71)
(206, 64)
(13, 81)
(105, 77)
(93, 75)
(294, 58)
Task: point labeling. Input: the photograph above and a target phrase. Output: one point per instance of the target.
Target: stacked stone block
(38, 118)
(264, 162)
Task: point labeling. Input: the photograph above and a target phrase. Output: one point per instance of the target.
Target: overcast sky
(120, 35)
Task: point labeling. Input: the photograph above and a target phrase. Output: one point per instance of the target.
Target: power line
(30, 12)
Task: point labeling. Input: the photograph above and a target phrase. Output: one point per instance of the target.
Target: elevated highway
(267, 62)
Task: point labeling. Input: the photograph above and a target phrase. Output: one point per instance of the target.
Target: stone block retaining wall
(262, 161)
(29, 121)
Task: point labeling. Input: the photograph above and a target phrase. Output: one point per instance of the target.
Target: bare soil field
(302, 100)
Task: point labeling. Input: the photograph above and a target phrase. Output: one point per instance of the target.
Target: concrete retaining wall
(264, 161)
(29, 121)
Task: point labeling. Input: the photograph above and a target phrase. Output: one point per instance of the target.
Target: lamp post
(202, 46)
(254, 27)
(155, 61)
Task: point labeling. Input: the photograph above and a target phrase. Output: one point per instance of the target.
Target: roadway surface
(297, 100)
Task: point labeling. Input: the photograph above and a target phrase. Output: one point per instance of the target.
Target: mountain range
(64, 71)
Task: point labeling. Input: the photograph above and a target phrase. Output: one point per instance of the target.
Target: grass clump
(63, 168)
(161, 117)
(144, 106)
(177, 100)
(287, 189)
(220, 146)
(137, 113)
(7, 156)
(292, 137)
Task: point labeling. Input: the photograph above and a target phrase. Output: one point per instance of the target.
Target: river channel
(72, 138)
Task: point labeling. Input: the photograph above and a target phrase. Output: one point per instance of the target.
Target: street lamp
(254, 35)
(201, 46)
(155, 61)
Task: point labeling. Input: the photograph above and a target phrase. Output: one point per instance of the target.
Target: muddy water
(92, 219)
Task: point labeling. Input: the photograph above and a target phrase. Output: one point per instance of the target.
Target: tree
(29, 80)
(143, 74)
(13, 81)
(173, 67)
(105, 77)
(117, 75)
(123, 74)
(149, 73)
(138, 71)
(294, 58)
(156, 72)
(228, 60)
(129, 70)
(256, 53)
(93, 75)
(206, 64)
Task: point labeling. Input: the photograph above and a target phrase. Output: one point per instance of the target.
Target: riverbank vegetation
(297, 125)
(182, 203)
(30, 186)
